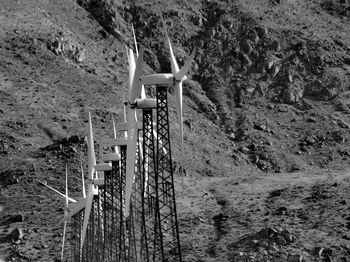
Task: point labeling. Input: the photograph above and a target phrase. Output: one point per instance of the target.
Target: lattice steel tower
(159, 217)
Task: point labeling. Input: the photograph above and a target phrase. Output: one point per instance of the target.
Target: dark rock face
(107, 15)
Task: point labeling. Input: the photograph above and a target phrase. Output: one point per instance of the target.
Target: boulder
(292, 95)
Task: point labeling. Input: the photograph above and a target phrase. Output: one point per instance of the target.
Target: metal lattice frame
(170, 240)
(150, 212)
(121, 195)
(75, 240)
(93, 246)
(114, 224)
(151, 231)
(134, 221)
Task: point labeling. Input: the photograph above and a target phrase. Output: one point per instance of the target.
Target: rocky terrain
(266, 117)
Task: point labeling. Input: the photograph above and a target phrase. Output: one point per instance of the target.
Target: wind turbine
(176, 78)
(137, 100)
(134, 94)
(82, 178)
(65, 212)
(87, 200)
(144, 101)
(67, 199)
(92, 190)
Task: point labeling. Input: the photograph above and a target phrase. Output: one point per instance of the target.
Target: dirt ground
(266, 118)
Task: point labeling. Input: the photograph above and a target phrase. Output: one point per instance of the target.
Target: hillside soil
(266, 117)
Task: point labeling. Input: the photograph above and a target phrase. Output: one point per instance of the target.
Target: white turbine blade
(136, 88)
(155, 135)
(66, 186)
(178, 95)
(158, 79)
(82, 178)
(140, 149)
(91, 151)
(116, 149)
(91, 189)
(143, 92)
(87, 212)
(132, 67)
(55, 190)
(65, 213)
(114, 130)
(181, 74)
(124, 112)
(63, 239)
(130, 158)
(174, 65)
(135, 42)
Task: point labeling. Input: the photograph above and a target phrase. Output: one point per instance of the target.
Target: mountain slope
(266, 118)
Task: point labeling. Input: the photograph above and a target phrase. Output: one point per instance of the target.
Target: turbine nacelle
(161, 79)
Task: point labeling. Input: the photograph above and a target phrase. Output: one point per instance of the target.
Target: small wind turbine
(86, 202)
(67, 199)
(65, 212)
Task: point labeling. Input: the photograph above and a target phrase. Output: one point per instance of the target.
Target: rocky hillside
(261, 70)
(268, 98)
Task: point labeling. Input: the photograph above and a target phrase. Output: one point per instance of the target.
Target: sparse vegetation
(266, 118)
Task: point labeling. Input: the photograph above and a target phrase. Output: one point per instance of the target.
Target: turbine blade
(155, 135)
(63, 239)
(116, 149)
(66, 186)
(114, 130)
(124, 111)
(178, 94)
(55, 190)
(180, 75)
(130, 158)
(87, 212)
(174, 65)
(132, 67)
(143, 92)
(91, 151)
(136, 88)
(140, 150)
(135, 42)
(82, 178)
